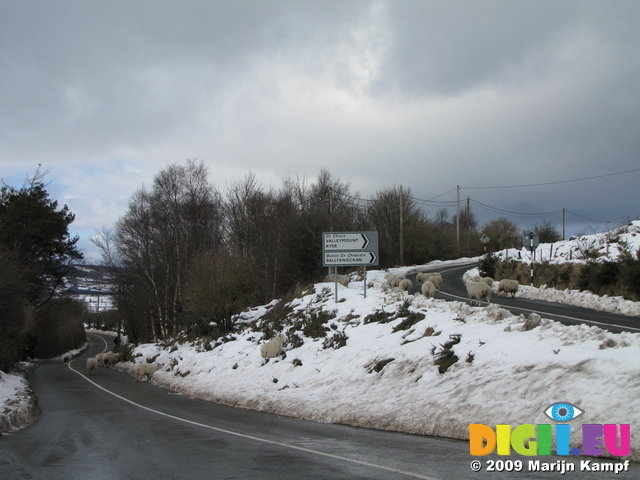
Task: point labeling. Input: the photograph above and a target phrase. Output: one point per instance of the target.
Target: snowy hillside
(606, 246)
(376, 366)
(92, 285)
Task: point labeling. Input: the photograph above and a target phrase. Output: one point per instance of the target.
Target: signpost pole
(365, 282)
(533, 261)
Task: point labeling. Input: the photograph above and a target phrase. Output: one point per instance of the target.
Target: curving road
(110, 427)
(454, 289)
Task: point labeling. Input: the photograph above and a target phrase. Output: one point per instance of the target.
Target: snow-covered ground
(17, 403)
(607, 246)
(385, 377)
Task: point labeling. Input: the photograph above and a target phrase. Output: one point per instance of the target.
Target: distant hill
(91, 284)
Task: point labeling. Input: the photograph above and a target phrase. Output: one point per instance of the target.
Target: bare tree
(159, 237)
(502, 233)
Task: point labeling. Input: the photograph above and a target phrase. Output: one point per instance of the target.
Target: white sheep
(145, 370)
(394, 280)
(420, 277)
(435, 278)
(273, 347)
(405, 284)
(110, 358)
(66, 358)
(341, 279)
(508, 286)
(478, 291)
(92, 364)
(487, 280)
(428, 289)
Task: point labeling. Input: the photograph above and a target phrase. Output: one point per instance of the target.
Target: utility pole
(458, 219)
(563, 218)
(468, 214)
(401, 227)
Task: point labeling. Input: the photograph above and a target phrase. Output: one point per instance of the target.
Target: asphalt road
(110, 427)
(453, 289)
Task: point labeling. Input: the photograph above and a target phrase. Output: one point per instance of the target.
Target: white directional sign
(349, 249)
(346, 241)
(484, 238)
(350, 258)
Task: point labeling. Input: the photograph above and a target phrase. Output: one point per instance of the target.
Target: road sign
(530, 240)
(350, 241)
(349, 249)
(337, 259)
(484, 238)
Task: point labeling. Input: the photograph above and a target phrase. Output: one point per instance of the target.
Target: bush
(379, 316)
(59, 328)
(445, 357)
(409, 319)
(487, 266)
(335, 341)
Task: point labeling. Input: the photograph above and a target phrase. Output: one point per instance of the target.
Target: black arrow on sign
(366, 241)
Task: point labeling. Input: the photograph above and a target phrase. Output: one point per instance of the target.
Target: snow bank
(385, 376)
(18, 406)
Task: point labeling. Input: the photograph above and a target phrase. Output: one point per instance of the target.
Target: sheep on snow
(478, 291)
(435, 278)
(273, 347)
(393, 279)
(341, 279)
(428, 289)
(405, 284)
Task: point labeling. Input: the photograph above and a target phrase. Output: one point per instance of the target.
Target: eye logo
(563, 412)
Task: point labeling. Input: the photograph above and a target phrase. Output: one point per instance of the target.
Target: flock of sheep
(430, 282)
(478, 288)
(105, 359)
(108, 359)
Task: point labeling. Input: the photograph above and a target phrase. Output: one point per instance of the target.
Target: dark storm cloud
(428, 94)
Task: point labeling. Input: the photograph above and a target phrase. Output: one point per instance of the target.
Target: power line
(516, 214)
(587, 218)
(558, 182)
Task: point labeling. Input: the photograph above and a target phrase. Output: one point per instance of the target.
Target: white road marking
(251, 437)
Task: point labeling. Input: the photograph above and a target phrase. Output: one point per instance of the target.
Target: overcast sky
(424, 94)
